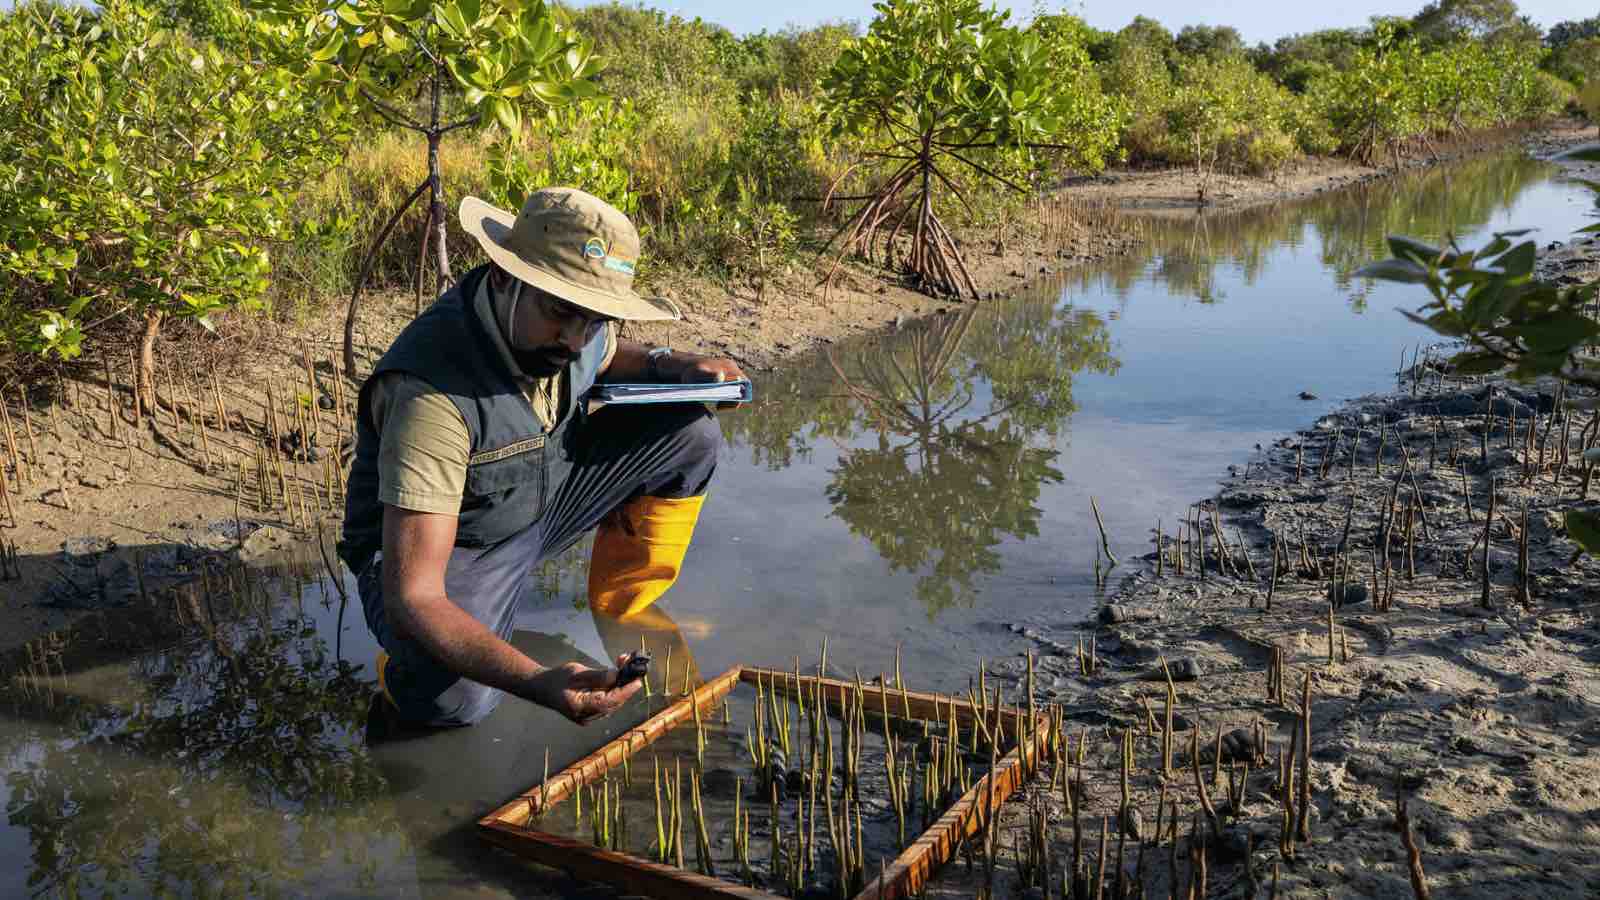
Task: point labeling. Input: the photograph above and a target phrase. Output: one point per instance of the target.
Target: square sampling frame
(512, 826)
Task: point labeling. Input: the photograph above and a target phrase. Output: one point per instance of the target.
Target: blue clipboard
(736, 391)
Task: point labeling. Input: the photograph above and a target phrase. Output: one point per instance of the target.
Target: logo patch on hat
(595, 248)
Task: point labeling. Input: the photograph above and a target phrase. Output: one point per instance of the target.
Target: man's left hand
(703, 369)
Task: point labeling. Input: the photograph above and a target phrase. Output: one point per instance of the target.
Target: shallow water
(1138, 384)
(922, 490)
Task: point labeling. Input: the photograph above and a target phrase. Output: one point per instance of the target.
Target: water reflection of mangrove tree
(230, 763)
(958, 407)
(1347, 228)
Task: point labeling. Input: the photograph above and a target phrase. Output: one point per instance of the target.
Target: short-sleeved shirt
(423, 441)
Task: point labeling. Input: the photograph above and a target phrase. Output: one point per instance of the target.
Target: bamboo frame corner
(510, 826)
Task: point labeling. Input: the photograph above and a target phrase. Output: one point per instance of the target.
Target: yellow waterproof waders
(638, 551)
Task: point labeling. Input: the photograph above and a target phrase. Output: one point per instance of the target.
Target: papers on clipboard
(738, 391)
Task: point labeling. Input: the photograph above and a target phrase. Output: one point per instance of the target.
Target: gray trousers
(618, 453)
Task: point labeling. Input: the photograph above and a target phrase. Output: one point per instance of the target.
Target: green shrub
(657, 59)
(573, 146)
(1138, 77)
(1268, 151)
(1576, 61)
(1589, 100)
(1548, 95)
(1393, 89)
(149, 175)
(779, 146)
(1227, 116)
(792, 60)
(1374, 102)
(1090, 119)
(1517, 92)
(1447, 86)
(1312, 133)
(766, 233)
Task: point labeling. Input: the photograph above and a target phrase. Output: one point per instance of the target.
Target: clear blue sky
(1257, 20)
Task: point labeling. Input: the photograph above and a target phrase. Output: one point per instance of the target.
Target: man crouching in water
(476, 460)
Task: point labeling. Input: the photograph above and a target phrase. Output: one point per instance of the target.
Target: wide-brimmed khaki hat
(572, 244)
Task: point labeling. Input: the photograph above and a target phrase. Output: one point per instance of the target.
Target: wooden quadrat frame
(512, 826)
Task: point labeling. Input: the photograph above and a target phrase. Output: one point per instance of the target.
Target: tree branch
(953, 189)
(893, 123)
(392, 115)
(406, 30)
(473, 119)
(988, 172)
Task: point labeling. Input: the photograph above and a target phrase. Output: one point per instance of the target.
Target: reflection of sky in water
(163, 772)
(1198, 385)
(1240, 363)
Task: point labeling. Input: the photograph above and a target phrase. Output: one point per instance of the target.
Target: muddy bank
(1476, 704)
(1173, 190)
(1404, 564)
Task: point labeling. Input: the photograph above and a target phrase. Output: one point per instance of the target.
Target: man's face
(545, 332)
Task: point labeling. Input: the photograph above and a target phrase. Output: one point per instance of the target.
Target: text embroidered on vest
(489, 456)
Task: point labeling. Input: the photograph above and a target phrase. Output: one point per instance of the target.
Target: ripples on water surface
(923, 489)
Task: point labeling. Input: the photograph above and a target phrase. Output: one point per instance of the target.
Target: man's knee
(701, 437)
(425, 693)
(465, 702)
(688, 468)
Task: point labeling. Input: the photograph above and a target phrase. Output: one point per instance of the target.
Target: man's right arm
(416, 548)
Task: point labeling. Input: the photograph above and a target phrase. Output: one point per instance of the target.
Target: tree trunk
(436, 187)
(422, 261)
(146, 375)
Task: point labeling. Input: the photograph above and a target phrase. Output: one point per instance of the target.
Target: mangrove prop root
(1419, 881)
(1105, 544)
(1200, 784)
(1487, 599)
(1524, 595)
(1303, 826)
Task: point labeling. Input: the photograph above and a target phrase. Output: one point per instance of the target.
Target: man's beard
(538, 362)
(543, 362)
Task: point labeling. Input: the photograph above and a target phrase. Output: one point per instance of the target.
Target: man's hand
(417, 549)
(580, 693)
(631, 362)
(701, 369)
